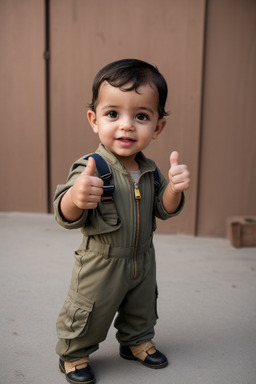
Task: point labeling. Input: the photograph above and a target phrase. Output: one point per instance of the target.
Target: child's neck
(133, 168)
(129, 163)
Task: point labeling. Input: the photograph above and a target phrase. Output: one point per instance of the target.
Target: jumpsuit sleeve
(159, 210)
(76, 169)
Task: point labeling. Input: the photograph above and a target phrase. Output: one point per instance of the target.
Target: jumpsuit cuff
(62, 221)
(166, 215)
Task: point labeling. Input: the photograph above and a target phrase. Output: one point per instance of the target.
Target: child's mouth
(125, 141)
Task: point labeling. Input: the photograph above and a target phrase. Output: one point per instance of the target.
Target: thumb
(90, 168)
(174, 158)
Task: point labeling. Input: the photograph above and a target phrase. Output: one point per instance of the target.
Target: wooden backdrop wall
(205, 49)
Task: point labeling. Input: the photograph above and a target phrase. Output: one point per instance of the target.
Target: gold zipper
(137, 191)
(137, 198)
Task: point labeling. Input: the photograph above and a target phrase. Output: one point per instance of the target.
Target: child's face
(126, 121)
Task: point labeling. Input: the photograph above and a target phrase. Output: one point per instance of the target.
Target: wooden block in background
(241, 231)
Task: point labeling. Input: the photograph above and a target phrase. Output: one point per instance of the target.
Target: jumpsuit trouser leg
(101, 286)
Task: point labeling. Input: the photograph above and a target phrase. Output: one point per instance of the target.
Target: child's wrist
(172, 190)
(68, 207)
(69, 195)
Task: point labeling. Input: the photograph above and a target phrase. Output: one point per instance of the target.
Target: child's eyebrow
(147, 109)
(141, 108)
(109, 107)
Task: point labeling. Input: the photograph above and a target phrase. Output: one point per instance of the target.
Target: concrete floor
(207, 308)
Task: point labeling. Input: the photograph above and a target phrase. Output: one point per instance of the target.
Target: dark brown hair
(130, 71)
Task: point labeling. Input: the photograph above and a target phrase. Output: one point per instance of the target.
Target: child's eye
(112, 114)
(142, 117)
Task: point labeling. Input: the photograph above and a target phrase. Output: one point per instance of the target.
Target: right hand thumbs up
(91, 167)
(87, 189)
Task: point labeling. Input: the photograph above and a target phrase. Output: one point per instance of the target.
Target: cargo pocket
(109, 213)
(102, 220)
(74, 317)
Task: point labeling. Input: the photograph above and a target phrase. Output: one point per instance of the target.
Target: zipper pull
(137, 191)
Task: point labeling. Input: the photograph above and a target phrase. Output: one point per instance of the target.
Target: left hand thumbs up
(174, 158)
(179, 176)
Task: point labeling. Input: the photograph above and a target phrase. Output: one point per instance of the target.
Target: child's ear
(91, 116)
(160, 126)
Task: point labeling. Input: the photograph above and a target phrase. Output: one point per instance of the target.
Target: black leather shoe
(79, 376)
(156, 361)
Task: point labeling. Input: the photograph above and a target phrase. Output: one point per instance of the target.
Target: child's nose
(126, 124)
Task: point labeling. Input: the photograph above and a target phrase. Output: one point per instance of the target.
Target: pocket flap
(74, 317)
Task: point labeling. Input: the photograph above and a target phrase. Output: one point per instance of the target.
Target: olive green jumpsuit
(114, 270)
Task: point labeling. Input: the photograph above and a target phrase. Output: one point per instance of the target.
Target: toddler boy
(114, 271)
